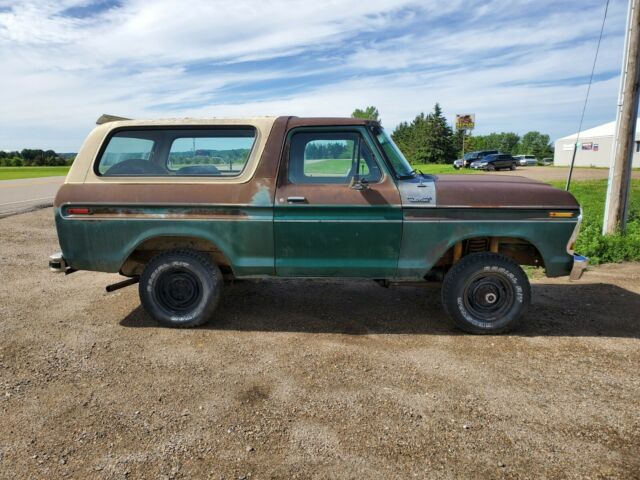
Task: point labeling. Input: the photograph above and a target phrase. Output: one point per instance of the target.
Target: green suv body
(180, 205)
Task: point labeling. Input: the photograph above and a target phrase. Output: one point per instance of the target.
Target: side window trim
(162, 143)
(363, 136)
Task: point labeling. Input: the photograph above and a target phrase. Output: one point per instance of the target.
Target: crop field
(14, 173)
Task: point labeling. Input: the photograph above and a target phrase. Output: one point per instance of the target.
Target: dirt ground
(310, 380)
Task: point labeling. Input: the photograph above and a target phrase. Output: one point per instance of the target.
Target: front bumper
(57, 263)
(580, 264)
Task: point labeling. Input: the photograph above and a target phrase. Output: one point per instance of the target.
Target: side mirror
(358, 183)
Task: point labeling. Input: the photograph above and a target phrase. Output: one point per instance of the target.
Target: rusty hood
(496, 191)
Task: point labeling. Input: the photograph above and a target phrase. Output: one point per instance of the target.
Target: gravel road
(310, 380)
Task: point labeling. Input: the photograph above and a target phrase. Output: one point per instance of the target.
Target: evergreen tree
(438, 146)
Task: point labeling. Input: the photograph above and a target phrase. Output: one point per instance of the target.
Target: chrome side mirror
(358, 183)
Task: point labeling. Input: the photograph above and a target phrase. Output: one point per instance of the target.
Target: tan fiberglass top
(82, 169)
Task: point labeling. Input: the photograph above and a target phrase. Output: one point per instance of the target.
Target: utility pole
(615, 214)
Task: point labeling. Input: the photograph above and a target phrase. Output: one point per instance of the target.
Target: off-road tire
(486, 293)
(180, 288)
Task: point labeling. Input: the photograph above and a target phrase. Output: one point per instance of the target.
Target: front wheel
(180, 288)
(513, 166)
(486, 293)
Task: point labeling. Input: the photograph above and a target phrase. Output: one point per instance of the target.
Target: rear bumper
(580, 264)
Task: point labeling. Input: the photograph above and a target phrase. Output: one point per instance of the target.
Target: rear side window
(125, 153)
(217, 151)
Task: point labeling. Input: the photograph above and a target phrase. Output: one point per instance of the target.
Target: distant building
(594, 147)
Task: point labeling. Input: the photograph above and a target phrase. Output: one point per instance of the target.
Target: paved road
(27, 193)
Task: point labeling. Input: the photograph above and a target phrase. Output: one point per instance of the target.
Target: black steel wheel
(180, 288)
(486, 293)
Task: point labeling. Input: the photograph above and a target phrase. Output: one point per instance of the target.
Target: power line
(586, 98)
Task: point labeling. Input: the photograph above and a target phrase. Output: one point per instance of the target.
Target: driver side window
(330, 158)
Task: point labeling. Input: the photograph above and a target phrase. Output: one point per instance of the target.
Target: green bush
(606, 248)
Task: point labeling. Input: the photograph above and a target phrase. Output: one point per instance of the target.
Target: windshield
(470, 156)
(393, 153)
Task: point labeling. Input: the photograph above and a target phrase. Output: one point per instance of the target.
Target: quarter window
(219, 152)
(125, 153)
(331, 158)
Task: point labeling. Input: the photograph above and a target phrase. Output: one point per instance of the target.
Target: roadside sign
(465, 121)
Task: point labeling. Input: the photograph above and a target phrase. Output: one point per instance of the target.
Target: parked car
(181, 206)
(526, 160)
(495, 162)
(546, 161)
(471, 157)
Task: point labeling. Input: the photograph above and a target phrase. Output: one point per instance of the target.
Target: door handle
(296, 199)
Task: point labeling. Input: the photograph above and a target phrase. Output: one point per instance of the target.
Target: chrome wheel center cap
(490, 298)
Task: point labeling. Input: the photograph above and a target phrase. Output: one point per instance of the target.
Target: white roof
(604, 130)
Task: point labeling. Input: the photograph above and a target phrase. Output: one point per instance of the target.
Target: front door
(337, 210)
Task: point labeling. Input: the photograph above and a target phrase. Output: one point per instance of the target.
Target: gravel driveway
(310, 380)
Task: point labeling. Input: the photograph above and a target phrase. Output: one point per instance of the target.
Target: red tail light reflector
(78, 211)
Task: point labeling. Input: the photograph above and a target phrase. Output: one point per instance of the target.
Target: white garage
(594, 147)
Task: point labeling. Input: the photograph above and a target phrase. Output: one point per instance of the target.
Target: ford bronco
(182, 205)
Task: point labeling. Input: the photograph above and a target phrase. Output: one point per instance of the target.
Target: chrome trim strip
(165, 204)
(431, 220)
(355, 220)
(181, 218)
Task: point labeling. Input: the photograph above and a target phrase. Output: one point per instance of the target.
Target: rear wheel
(180, 288)
(486, 293)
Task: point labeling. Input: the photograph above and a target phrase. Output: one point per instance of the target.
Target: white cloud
(506, 62)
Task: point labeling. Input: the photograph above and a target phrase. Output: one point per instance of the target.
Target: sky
(518, 65)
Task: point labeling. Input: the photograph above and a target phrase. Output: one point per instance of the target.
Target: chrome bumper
(579, 266)
(57, 263)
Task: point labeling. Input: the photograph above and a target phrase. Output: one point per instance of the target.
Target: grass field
(13, 173)
(340, 165)
(591, 242)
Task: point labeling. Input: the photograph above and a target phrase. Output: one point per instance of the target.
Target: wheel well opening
(519, 250)
(144, 252)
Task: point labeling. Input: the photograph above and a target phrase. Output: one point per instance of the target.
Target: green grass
(438, 168)
(343, 165)
(338, 165)
(591, 243)
(13, 173)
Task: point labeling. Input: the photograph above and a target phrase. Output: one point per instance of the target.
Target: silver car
(526, 160)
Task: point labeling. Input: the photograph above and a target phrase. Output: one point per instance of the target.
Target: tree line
(29, 157)
(322, 150)
(430, 139)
